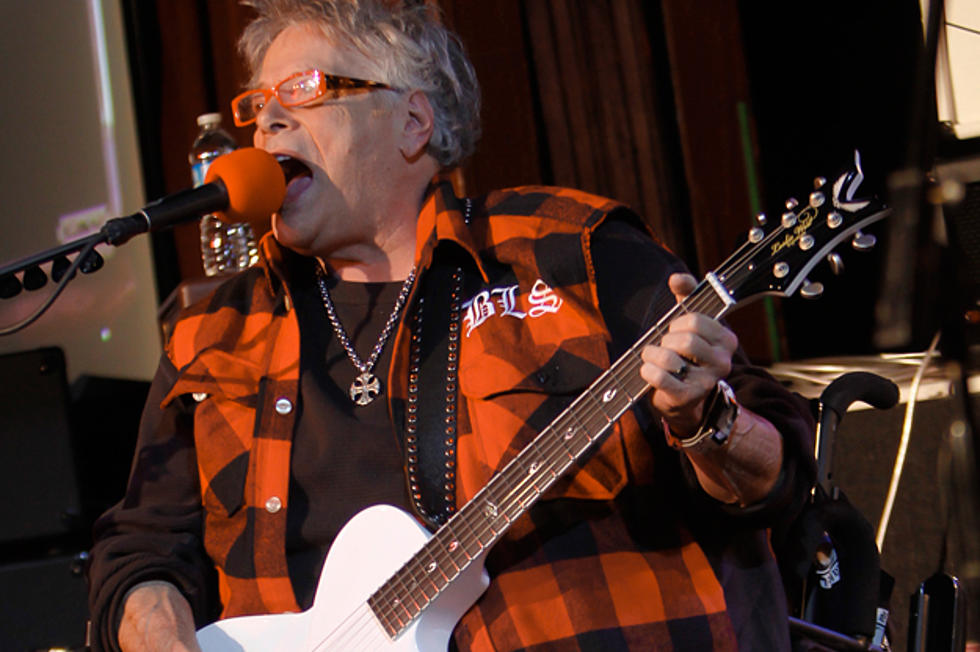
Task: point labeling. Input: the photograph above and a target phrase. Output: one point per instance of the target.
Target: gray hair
(409, 42)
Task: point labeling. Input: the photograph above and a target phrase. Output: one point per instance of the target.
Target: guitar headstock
(780, 252)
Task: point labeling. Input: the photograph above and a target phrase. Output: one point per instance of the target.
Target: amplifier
(37, 464)
(44, 604)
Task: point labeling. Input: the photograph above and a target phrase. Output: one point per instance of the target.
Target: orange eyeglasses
(296, 90)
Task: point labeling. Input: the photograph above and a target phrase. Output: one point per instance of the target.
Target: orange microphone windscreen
(255, 183)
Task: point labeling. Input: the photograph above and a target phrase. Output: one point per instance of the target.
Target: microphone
(245, 185)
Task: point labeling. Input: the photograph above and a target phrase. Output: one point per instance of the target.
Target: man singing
(399, 345)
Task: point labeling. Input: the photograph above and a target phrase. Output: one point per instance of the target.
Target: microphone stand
(49, 255)
(116, 232)
(88, 261)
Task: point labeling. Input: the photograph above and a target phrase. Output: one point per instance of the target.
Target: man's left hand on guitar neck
(736, 454)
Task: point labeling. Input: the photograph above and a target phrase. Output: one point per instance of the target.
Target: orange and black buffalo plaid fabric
(610, 558)
(570, 575)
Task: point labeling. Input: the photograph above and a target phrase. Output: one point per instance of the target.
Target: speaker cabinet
(44, 604)
(37, 466)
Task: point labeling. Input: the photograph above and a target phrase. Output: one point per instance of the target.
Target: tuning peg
(836, 263)
(34, 278)
(834, 219)
(811, 290)
(756, 234)
(819, 183)
(760, 219)
(791, 203)
(789, 219)
(817, 199)
(863, 241)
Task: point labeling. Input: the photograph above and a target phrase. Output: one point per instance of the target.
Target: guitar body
(369, 549)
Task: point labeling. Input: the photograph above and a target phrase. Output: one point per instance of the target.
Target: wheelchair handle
(876, 391)
(855, 386)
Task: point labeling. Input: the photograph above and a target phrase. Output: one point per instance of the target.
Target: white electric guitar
(387, 585)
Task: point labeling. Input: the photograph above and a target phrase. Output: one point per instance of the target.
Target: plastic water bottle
(225, 248)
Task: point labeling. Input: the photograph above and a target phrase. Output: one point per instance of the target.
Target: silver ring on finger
(681, 372)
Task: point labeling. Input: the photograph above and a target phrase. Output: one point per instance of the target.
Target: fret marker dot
(608, 396)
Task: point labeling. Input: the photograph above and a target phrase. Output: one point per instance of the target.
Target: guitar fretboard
(481, 522)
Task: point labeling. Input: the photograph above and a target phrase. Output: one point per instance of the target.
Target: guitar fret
(406, 593)
(441, 550)
(595, 421)
(424, 579)
(388, 601)
(382, 614)
(490, 509)
(598, 401)
(450, 544)
(474, 521)
(564, 433)
(430, 568)
(611, 394)
(580, 434)
(414, 587)
(533, 469)
(564, 457)
(465, 518)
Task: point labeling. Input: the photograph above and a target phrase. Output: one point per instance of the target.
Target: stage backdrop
(69, 161)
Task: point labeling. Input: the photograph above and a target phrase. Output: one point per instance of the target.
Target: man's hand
(157, 618)
(695, 352)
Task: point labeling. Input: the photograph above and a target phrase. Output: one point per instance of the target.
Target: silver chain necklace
(366, 386)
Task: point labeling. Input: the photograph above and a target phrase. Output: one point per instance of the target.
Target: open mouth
(293, 168)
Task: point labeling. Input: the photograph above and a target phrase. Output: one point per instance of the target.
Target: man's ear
(419, 124)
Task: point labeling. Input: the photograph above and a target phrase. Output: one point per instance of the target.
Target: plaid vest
(532, 339)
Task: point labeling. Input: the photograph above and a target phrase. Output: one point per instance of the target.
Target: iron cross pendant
(365, 388)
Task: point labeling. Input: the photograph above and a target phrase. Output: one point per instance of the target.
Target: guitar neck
(774, 260)
(511, 492)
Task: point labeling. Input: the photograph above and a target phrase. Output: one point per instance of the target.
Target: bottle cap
(208, 119)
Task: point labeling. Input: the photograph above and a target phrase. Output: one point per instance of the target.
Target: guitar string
(732, 263)
(554, 451)
(341, 635)
(527, 488)
(549, 452)
(732, 268)
(524, 487)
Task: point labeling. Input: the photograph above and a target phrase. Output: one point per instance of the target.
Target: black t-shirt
(342, 449)
(345, 456)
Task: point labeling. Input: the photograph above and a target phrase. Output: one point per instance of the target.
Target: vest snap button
(284, 406)
(273, 505)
